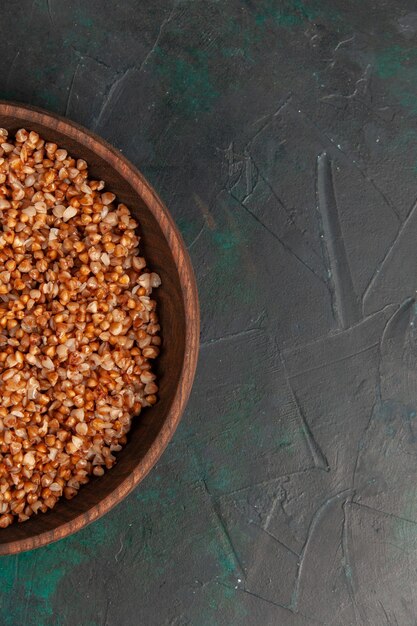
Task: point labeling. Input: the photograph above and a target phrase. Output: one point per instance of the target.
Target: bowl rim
(29, 114)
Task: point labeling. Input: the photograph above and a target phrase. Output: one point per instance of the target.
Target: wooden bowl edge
(192, 326)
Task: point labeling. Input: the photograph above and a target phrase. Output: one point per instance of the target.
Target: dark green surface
(288, 495)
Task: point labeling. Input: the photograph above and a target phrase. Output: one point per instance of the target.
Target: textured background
(283, 137)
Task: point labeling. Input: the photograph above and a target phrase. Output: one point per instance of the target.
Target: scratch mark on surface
(265, 483)
(229, 547)
(271, 602)
(394, 331)
(319, 458)
(288, 609)
(177, 620)
(116, 556)
(270, 118)
(232, 166)
(277, 198)
(271, 513)
(348, 566)
(251, 175)
(323, 340)
(11, 69)
(32, 6)
(111, 95)
(49, 7)
(331, 143)
(342, 333)
(346, 302)
(249, 168)
(361, 440)
(385, 332)
(393, 545)
(158, 38)
(210, 342)
(246, 171)
(385, 613)
(115, 88)
(274, 538)
(83, 55)
(282, 205)
(275, 195)
(343, 358)
(313, 525)
(197, 237)
(106, 612)
(281, 241)
(343, 42)
(390, 305)
(362, 82)
(240, 166)
(385, 513)
(388, 253)
(71, 87)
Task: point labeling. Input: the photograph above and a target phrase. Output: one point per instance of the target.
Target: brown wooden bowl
(178, 311)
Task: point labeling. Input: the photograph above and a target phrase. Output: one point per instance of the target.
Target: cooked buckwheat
(78, 328)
